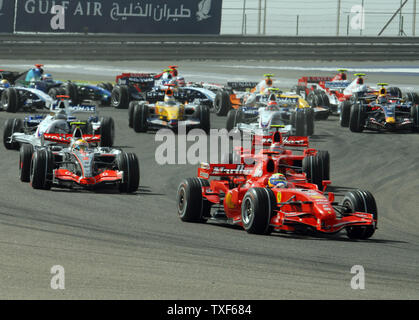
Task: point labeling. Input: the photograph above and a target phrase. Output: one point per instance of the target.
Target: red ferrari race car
(242, 194)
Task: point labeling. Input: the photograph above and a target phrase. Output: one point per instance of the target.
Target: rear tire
(257, 210)
(107, 132)
(412, 97)
(10, 100)
(26, 152)
(360, 201)
(299, 122)
(222, 103)
(414, 114)
(317, 168)
(192, 207)
(203, 115)
(120, 97)
(71, 90)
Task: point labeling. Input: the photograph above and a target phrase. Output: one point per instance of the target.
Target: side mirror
(325, 184)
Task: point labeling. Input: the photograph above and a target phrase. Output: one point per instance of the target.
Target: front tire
(360, 201)
(26, 152)
(10, 127)
(357, 118)
(257, 210)
(41, 169)
(140, 118)
(129, 164)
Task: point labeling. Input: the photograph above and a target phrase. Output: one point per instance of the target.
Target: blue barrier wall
(7, 14)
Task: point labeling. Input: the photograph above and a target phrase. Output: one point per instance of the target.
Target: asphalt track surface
(118, 246)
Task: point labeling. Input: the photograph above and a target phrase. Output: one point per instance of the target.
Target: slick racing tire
(222, 103)
(414, 114)
(25, 158)
(360, 201)
(317, 168)
(412, 97)
(233, 118)
(191, 205)
(345, 114)
(301, 91)
(11, 126)
(120, 97)
(309, 115)
(357, 118)
(395, 92)
(10, 100)
(299, 121)
(140, 117)
(129, 164)
(131, 107)
(71, 90)
(54, 92)
(106, 85)
(41, 169)
(257, 210)
(107, 132)
(203, 114)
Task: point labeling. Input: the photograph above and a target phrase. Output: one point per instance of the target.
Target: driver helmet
(382, 98)
(277, 180)
(47, 77)
(272, 105)
(269, 82)
(5, 83)
(80, 145)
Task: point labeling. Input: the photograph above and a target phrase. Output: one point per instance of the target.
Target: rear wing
(277, 138)
(337, 84)
(10, 76)
(305, 80)
(64, 104)
(206, 170)
(242, 85)
(142, 81)
(67, 138)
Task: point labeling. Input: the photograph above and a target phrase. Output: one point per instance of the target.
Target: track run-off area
(119, 246)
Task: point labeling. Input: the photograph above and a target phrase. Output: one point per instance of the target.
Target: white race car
(61, 120)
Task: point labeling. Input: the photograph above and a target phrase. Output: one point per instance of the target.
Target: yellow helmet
(80, 145)
(5, 83)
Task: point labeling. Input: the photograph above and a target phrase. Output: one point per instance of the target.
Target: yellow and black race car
(169, 113)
